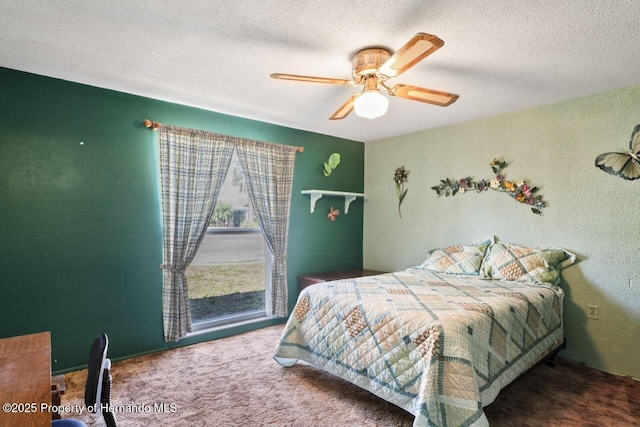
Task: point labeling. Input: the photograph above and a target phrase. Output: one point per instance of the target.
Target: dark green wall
(80, 226)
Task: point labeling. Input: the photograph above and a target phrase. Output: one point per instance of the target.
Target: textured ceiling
(499, 55)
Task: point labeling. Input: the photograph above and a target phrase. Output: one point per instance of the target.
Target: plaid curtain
(268, 172)
(193, 165)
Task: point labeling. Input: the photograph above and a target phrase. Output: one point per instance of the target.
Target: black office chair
(97, 392)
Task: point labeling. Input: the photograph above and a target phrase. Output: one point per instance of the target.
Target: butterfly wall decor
(333, 214)
(625, 165)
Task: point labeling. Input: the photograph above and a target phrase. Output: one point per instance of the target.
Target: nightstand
(310, 279)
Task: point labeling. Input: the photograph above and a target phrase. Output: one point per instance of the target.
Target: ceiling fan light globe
(371, 104)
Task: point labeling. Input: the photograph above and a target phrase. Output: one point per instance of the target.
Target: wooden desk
(25, 380)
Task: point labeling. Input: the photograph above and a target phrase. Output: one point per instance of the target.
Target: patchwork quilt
(439, 346)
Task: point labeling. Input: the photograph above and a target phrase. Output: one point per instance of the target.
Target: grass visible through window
(218, 280)
(224, 290)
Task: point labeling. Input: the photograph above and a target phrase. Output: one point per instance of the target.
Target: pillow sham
(462, 259)
(505, 261)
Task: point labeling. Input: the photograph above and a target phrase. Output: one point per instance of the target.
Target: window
(227, 277)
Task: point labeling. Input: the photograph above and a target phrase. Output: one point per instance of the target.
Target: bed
(440, 340)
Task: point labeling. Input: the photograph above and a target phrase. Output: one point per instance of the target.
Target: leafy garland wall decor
(518, 190)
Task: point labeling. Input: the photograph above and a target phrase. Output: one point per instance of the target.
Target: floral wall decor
(518, 190)
(625, 165)
(401, 177)
(333, 214)
(331, 164)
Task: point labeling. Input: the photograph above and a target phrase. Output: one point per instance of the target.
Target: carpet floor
(235, 382)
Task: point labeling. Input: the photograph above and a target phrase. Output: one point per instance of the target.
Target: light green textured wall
(591, 213)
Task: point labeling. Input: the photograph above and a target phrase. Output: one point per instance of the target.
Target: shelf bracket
(347, 202)
(314, 198)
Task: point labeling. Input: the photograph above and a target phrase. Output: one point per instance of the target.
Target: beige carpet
(235, 382)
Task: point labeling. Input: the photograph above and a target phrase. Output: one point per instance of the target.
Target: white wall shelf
(317, 194)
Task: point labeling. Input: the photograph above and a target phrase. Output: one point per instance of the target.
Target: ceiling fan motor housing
(367, 61)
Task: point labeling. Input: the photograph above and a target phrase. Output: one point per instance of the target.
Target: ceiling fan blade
(422, 94)
(414, 51)
(345, 109)
(312, 79)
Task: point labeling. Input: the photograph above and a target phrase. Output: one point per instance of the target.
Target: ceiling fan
(373, 67)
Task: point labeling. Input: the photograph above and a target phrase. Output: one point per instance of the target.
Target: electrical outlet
(592, 311)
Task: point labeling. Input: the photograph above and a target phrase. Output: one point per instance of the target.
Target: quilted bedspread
(439, 346)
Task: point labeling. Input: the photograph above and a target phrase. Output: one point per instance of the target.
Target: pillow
(505, 261)
(459, 259)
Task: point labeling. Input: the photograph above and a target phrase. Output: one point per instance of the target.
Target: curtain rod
(155, 125)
